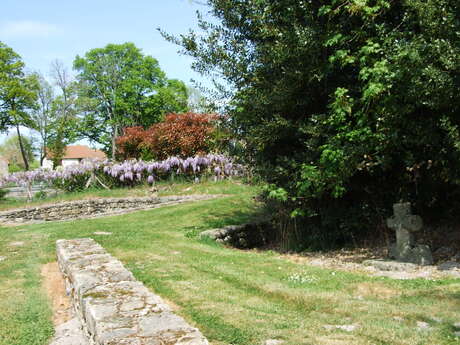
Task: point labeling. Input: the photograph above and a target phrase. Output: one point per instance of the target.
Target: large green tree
(127, 88)
(42, 115)
(55, 117)
(18, 95)
(345, 106)
(64, 112)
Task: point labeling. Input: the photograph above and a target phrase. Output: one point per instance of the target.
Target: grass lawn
(163, 188)
(232, 296)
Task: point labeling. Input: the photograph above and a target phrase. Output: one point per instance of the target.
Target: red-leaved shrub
(181, 135)
(129, 144)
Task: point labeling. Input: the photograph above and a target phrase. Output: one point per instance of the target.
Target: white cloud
(27, 28)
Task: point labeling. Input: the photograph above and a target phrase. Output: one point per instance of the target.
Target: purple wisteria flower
(129, 172)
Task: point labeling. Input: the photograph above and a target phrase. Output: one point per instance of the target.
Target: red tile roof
(81, 151)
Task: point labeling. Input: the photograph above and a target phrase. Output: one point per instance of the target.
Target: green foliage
(16, 89)
(76, 183)
(345, 106)
(18, 94)
(3, 193)
(40, 195)
(63, 115)
(11, 150)
(42, 115)
(123, 87)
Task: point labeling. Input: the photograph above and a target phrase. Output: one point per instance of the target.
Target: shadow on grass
(215, 218)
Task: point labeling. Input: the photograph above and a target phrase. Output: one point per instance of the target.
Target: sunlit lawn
(234, 297)
(161, 188)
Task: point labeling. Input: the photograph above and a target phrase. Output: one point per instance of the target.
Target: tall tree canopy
(127, 88)
(42, 116)
(55, 118)
(345, 106)
(64, 112)
(18, 95)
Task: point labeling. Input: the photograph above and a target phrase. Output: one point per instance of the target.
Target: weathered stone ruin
(91, 208)
(242, 236)
(113, 307)
(406, 224)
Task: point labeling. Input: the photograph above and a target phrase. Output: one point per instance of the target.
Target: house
(3, 166)
(74, 154)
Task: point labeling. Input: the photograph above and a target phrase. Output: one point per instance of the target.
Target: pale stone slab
(273, 342)
(449, 265)
(70, 333)
(385, 265)
(116, 308)
(422, 325)
(346, 328)
(16, 244)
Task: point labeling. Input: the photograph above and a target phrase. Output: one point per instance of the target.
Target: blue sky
(44, 30)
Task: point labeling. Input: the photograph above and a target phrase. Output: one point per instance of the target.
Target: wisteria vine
(127, 173)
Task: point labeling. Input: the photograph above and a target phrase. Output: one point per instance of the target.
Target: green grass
(232, 296)
(164, 188)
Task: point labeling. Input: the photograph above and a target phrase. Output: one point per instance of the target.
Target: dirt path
(54, 284)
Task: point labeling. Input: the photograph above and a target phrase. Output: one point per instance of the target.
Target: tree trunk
(43, 154)
(42, 157)
(114, 141)
(21, 146)
(44, 146)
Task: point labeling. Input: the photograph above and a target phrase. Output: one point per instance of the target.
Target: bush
(40, 195)
(345, 107)
(129, 145)
(179, 135)
(3, 193)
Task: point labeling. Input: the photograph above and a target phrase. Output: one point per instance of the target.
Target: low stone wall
(115, 308)
(90, 208)
(242, 236)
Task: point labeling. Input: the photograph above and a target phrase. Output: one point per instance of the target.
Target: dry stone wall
(90, 208)
(115, 308)
(242, 236)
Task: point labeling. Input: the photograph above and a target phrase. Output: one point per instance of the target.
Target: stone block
(384, 265)
(114, 307)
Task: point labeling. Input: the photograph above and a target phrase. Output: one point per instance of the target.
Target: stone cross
(405, 224)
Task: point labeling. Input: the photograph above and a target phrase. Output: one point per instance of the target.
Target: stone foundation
(90, 208)
(115, 308)
(242, 236)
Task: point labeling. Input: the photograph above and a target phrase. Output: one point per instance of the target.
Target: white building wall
(47, 164)
(66, 162)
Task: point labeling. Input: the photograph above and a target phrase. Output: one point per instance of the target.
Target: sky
(41, 31)
(44, 30)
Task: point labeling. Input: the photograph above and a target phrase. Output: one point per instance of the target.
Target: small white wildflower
(302, 278)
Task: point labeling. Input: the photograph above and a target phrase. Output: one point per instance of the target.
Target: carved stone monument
(405, 224)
